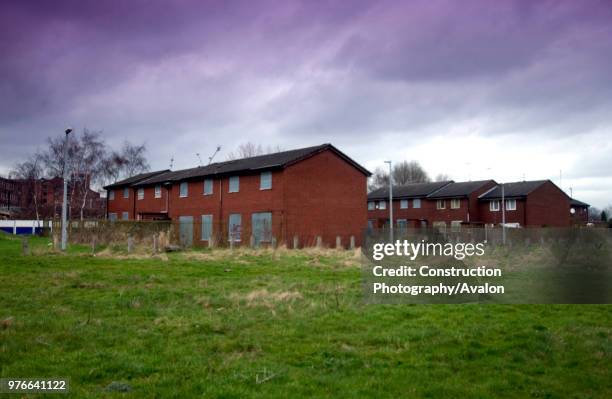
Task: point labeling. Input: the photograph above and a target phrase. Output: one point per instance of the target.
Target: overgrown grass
(284, 324)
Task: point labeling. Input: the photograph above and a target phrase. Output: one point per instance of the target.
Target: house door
(186, 230)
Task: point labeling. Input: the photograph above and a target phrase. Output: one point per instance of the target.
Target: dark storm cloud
(193, 74)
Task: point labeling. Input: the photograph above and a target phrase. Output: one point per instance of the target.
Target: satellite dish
(572, 211)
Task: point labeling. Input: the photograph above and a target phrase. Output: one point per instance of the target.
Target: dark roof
(135, 179)
(513, 190)
(459, 189)
(261, 162)
(575, 202)
(414, 190)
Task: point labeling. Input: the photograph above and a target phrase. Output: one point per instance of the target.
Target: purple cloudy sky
(473, 89)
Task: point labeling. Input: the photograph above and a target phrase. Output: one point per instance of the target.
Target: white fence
(24, 226)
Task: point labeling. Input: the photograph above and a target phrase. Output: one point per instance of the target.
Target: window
(382, 204)
(371, 224)
(402, 224)
(265, 181)
(511, 205)
(456, 225)
(111, 196)
(158, 191)
(112, 217)
(234, 184)
(404, 204)
(208, 187)
(141, 193)
(371, 206)
(262, 226)
(441, 204)
(126, 193)
(183, 189)
(440, 226)
(455, 203)
(126, 216)
(494, 206)
(206, 227)
(416, 203)
(235, 227)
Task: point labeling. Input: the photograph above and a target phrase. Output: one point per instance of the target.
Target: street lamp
(390, 202)
(65, 199)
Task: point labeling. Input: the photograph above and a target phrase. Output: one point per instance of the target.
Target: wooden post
(130, 246)
(25, 246)
(93, 245)
(252, 241)
(338, 242)
(211, 241)
(296, 242)
(155, 243)
(273, 243)
(231, 241)
(319, 241)
(352, 242)
(55, 241)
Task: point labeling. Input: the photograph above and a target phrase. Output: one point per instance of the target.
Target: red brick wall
(120, 204)
(326, 196)
(489, 217)
(221, 204)
(412, 215)
(320, 196)
(545, 206)
(150, 204)
(548, 206)
(430, 213)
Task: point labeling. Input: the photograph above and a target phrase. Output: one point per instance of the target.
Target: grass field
(284, 324)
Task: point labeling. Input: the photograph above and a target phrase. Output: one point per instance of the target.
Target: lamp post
(503, 204)
(390, 202)
(65, 198)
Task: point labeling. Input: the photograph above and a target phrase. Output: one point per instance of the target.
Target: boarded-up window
(206, 227)
(265, 182)
(382, 204)
(126, 216)
(416, 203)
(208, 187)
(234, 184)
(235, 227)
(112, 217)
(404, 204)
(141, 193)
(158, 191)
(126, 193)
(262, 226)
(371, 206)
(183, 189)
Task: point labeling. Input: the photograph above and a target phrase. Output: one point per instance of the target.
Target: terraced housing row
(320, 194)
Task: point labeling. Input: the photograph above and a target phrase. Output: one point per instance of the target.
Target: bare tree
(87, 165)
(442, 177)
(250, 149)
(129, 161)
(403, 173)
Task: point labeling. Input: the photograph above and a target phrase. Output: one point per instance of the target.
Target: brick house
(457, 203)
(410, 205)
(579, 212)
(308, 192)
(529, 203)
(453, 204)
(445, 203)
